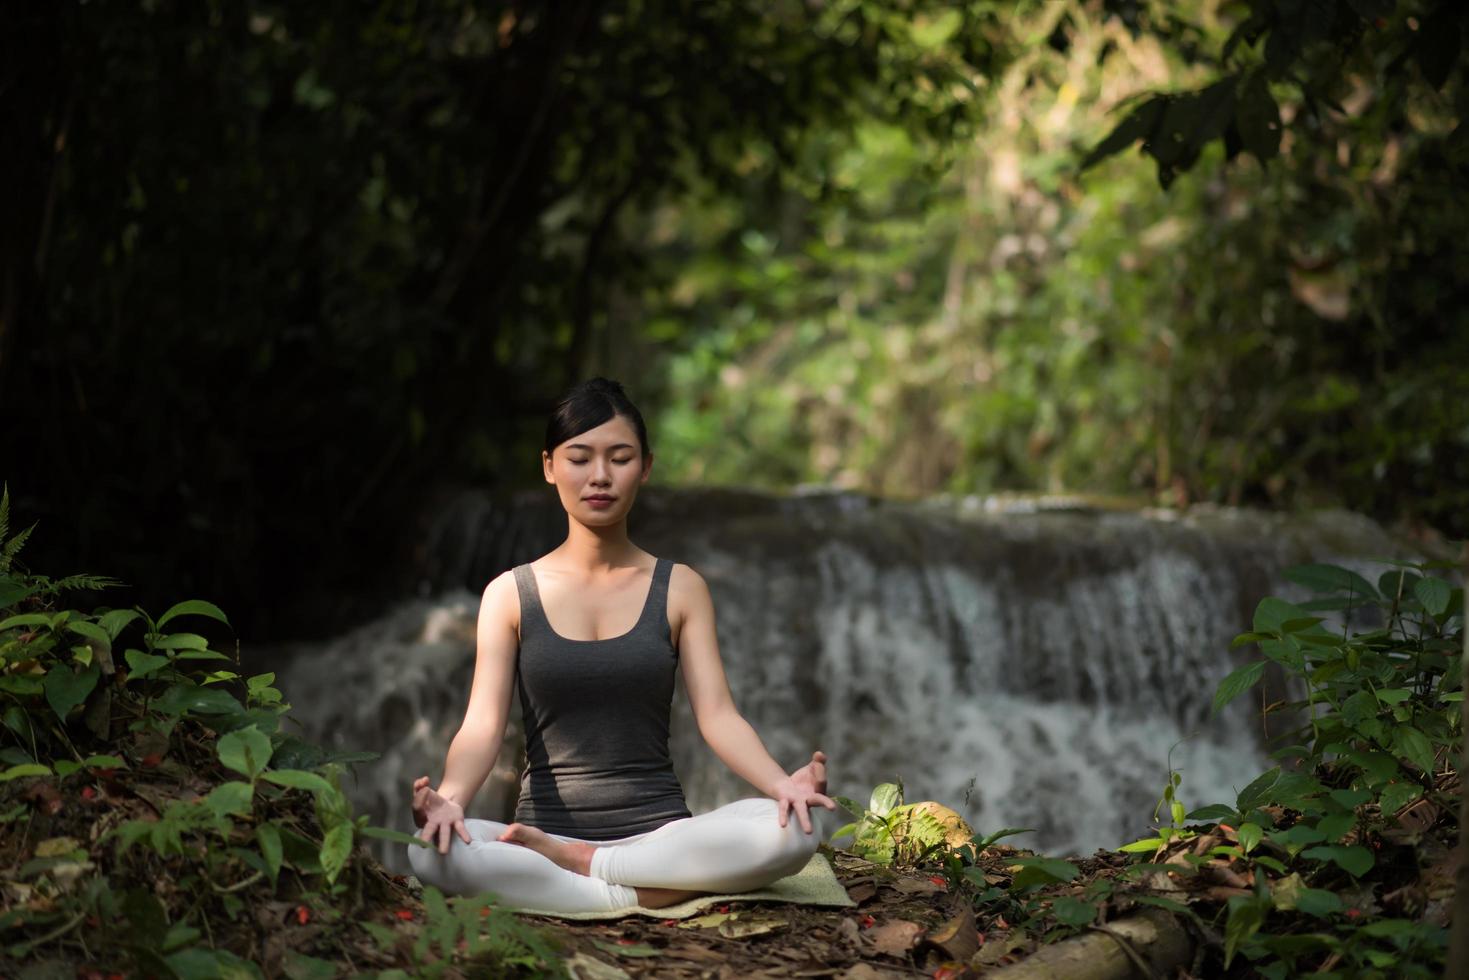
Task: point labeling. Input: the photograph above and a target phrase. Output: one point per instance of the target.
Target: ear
(546, 467)
(647, 468)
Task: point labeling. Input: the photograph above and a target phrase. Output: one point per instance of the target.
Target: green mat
(815, 884)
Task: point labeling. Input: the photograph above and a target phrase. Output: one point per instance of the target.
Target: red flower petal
(302, 914)
(404, 913)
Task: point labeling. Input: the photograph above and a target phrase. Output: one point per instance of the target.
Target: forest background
(276, 279)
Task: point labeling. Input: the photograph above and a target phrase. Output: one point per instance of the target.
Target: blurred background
(996, 356)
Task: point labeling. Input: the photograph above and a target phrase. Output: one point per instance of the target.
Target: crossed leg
(734, 848)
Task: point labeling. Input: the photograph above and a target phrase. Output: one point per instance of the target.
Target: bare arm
(726, 731)
(476, 746)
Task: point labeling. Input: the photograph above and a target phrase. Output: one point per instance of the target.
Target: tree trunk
(1154, 935)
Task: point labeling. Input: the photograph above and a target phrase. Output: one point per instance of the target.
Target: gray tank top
(596, 722)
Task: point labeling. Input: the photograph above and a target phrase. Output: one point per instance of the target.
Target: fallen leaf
(862, 892)
(735, 928)
(704, 921)
(584, 967)
(917, 886)
(956, 939)
(894, 938)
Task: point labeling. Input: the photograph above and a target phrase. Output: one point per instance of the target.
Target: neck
(597, 548)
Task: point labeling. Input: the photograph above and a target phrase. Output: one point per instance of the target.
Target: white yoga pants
(737, 847)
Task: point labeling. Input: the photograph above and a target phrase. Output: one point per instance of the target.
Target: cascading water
(1029, 663)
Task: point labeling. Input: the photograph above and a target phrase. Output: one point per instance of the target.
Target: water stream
(1029, 661)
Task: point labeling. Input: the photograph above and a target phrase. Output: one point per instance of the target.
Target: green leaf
(1394, 695)
(193, 607)
(1257, 118)
(90, 630)
(181, 641)
(1249, 835)
(297, 779)
(1258, 791)
(1354, 859)
(1213, 812)
(231, 798)
(1239, 681)
(25, 619)
(1331, 578)
(885, 797)
(1390, 584)
(1271, 613)
(1051, 869)
(1138, 125)
(1433, 593)
(1413, 745)
(1246, 914)
(269, 839)
(116, 620)
(1358, 708)
(245, 750)
(25, 769)
(65, 688)
(142, 664)
(1318, 902)
(1145, 846)
(1395, 796)
(336, 847)
(188, 698)
(1073, 911)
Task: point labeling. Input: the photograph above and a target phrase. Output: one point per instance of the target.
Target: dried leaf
(737, 928)
(894, 938)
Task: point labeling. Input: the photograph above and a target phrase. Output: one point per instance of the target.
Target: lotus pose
(591, 634)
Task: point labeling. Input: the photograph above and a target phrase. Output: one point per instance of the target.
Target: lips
(602, 497)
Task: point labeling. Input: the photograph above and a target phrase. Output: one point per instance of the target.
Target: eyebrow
(582, 445)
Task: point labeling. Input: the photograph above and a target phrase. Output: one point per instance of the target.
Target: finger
(463, 831)
(780, 811)
(804, 814)
(826, 801)
(445, 835)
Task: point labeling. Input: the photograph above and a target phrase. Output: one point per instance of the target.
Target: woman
(601, 822)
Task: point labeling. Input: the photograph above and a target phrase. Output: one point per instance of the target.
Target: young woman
(591, 634)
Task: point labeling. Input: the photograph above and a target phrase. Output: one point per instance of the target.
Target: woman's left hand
(805, 786)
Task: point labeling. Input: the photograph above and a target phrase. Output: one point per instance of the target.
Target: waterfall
(1027, 661)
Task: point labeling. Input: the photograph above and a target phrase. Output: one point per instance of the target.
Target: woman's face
(597, 473)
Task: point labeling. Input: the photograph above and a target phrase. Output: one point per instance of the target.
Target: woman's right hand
(438, 816)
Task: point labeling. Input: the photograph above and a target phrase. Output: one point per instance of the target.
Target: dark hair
(588, 405)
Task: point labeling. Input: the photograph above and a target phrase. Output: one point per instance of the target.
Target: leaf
(1238, 681)
(297, 779)
(1331, 578)
(115, 621)
(142, 664)
(1413, 745)
(1246, 914)
(189, 698)
(1144, 846)
(1433, 593)
(269, 839)
(1257, 118)
(193, 607)
(232, 797)
(181, 641)
(1257, 792)
(885, 797)
(245, 750)
(65, 688)
(1354, 859)
(1399, 581)
(1073, 911)
(336, 847)
(25, 769)
(1213, 812)
(1139, 124)
(1318, 902)
(1249, 835)
(1358, 708)
(1271, 612)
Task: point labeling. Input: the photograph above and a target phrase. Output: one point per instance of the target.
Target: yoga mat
(815, 884)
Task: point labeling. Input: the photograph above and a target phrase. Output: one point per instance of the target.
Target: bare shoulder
(500, 602)
(687, 591)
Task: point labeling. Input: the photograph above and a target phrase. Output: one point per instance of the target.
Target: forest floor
(906, 923)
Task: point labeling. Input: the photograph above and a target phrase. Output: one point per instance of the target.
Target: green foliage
(256, 815)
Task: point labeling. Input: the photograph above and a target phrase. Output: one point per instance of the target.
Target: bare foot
(660, 898)
(571, 855)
